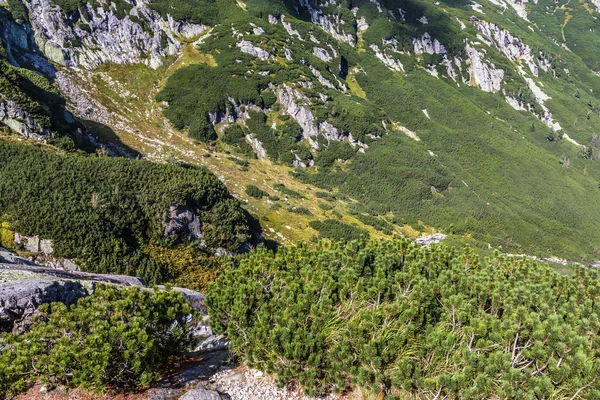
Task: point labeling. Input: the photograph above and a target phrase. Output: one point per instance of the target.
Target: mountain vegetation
(502, 162)
(412, 322)
(111, 214)
(346, 122)
(116, 338)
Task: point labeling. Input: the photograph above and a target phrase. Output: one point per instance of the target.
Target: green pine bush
(413, 322)
(256, 192)
(107, 212)
(117, 338)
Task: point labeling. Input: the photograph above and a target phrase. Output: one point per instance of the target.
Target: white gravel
(244, 384)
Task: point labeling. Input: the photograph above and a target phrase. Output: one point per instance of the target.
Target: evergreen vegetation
(256, 192)
(194, 11)
(117, 338)
(106, 212)
(413, 322)
(337, 231)
(235, 136)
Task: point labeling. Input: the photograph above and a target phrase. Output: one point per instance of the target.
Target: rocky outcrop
(22, 292)
(182, 222)
(322, 80)
(34, 244)
(21, 121)
(6, 257)
(23, 288)
(425, 44)
(185, 29)
(540, 98)
(97, 35)
(332, 24)
(361, 24)
(322, 54)
(247, 47)
(388, 61)
(511, 46)
(290, 30)
(483, 74)
(14, 35)
(427, 240)
(257, 146)
(295, 104)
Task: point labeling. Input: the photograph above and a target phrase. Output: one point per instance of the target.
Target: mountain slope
(473, 118)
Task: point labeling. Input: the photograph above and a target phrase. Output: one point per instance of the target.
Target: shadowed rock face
(22, 292)
(183, 222)
(20, 121)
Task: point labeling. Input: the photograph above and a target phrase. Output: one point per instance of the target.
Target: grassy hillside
(408, 137)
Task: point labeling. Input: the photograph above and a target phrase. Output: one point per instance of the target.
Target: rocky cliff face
(96, 35)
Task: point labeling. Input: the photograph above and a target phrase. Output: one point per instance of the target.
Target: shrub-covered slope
(115, 339)
(118, 215)
(413, 322)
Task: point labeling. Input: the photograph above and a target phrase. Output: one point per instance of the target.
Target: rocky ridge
(86, 39)
(99, 36)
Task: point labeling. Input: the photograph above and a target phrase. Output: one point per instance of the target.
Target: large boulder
(22, 292)
(24, 287)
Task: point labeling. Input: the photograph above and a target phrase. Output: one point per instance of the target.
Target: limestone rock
(182, 221)
(388, 61)
(201, 394)
(22, 292)
(483, 74)
(322, 54)
(425, 44)
(511, 46)
(257, 146)
(427, 240)
(21, 121)
(331, 24)
(247, 47)
(107, 38)
(24, 287)
(295, 103)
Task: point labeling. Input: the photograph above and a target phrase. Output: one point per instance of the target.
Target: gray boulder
(201, 394)
(21, 121)
(19, 301)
